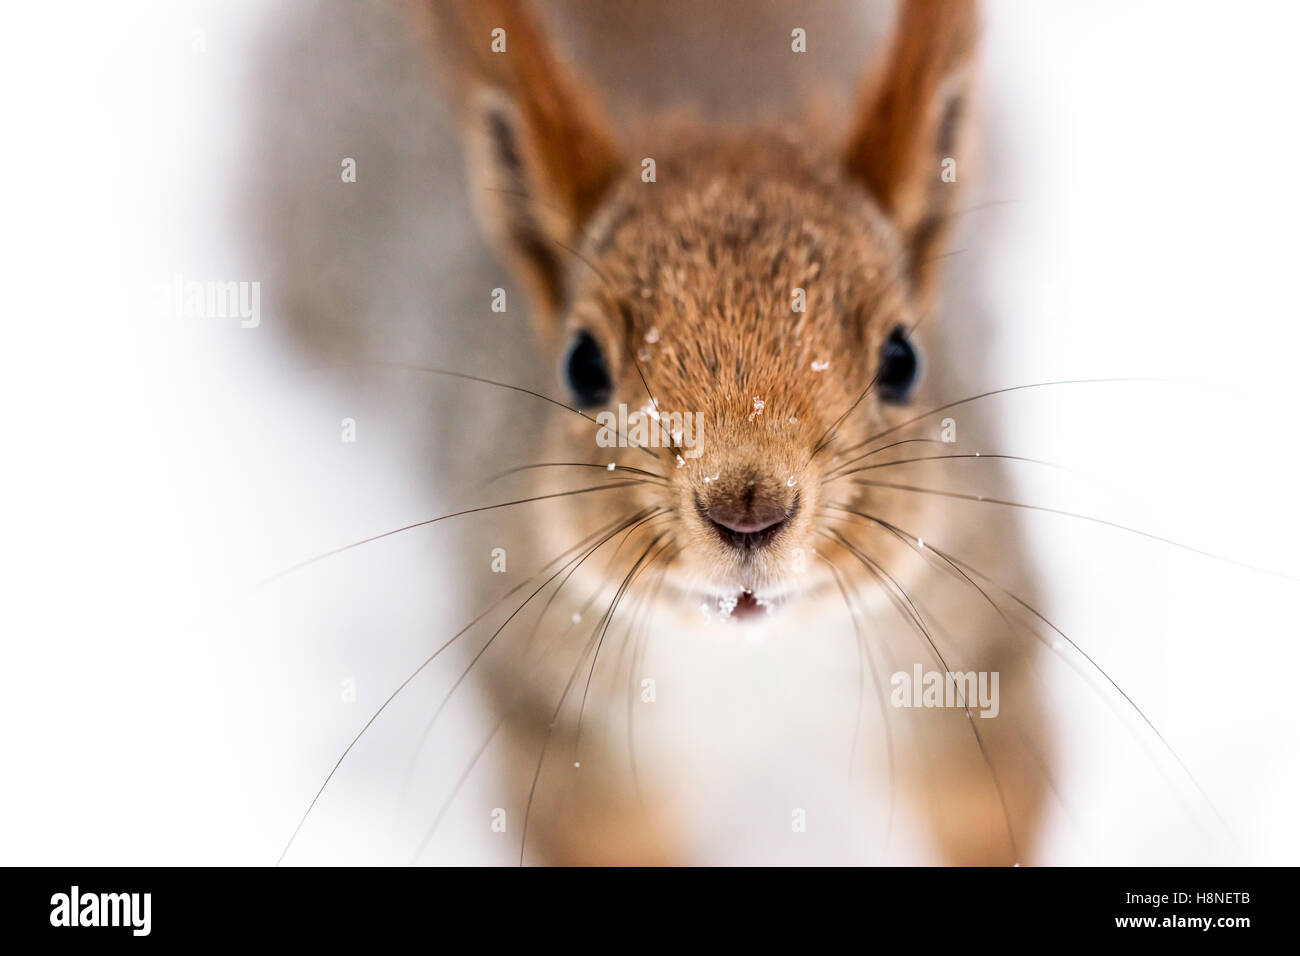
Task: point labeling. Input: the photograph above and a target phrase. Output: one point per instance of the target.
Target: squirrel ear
(538, 152)
(910, 129)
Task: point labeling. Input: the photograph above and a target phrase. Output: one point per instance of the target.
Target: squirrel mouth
(741, 605)
(745, 606)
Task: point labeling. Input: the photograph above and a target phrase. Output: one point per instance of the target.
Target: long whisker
(886, 724)
(962, 568)
(420, 524)
(612, 468)
(551, 724)
(974, 455)
(895, 444)
(631, 525)
(952, 568)
(1070, 514)
(916, 546)
(654, 516)
(882, 575)
(627, 582)
(637, 667)
(446, 804)
(601, 537)
(1017, 388)
(641, 613)
(465, 376)
(627, 441)
(415, 673)
(634, 522)
(613, 558)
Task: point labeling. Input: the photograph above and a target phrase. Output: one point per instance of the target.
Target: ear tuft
(912, 120)
(538, 152)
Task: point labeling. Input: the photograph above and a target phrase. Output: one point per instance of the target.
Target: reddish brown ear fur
(911, 119)
(538, 152)
(540, 156)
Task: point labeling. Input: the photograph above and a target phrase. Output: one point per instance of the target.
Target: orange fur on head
(708, 259)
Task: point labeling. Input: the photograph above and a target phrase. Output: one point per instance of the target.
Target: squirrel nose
(749, 521)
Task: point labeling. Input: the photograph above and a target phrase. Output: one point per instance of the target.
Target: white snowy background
(153, 713)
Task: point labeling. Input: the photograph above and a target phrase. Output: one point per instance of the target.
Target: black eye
(899, 365)
(586, 372)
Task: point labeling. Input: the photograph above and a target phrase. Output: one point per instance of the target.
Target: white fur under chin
(750, 741)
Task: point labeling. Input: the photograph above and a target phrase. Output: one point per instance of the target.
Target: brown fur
(708, 256)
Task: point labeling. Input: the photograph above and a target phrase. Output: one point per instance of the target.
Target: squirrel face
(742, 302)
(749, 292)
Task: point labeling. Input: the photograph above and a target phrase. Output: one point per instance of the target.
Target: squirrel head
(738, 302)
